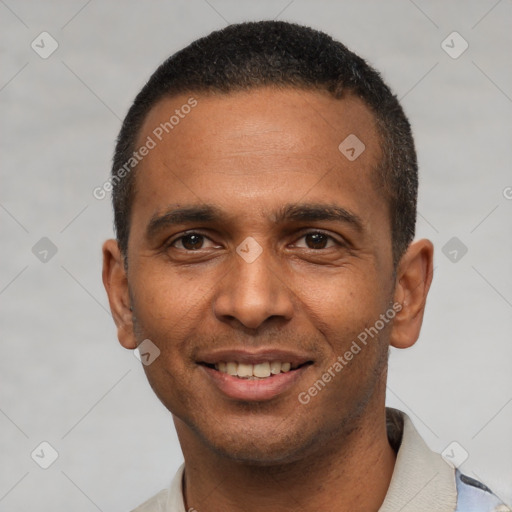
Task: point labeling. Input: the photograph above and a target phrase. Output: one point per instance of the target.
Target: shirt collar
(422, 481)
(175, 501)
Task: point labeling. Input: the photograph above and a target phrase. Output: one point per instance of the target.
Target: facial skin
(249, 154)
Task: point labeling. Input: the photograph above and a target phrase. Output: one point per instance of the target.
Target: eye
(317, 240)
(191, 241)
(194, 241)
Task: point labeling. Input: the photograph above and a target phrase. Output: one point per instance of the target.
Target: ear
(413, 279)
(115, 281)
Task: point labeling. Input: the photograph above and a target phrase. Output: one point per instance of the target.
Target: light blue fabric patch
(473, 496)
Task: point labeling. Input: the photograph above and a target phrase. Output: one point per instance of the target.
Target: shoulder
(169, 499)
(474, 496)
(155, 504)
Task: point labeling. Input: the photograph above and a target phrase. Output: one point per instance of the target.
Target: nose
(253, 292)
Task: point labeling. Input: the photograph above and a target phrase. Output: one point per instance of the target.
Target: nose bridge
(253, 291)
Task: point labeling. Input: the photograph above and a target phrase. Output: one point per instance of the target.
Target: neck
(335, 476)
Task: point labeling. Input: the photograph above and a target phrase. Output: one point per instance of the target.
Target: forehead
(301, 122)
(248, 150)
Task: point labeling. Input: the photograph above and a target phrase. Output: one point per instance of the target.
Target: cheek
(357, 337)
(172, 384)
(346, 319)
(163, 307)
(344, 303)
(165, 298)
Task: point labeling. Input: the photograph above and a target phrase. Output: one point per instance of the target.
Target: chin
(258, 454)
(259, 446)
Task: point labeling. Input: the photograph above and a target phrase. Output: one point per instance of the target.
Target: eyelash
(313, 232)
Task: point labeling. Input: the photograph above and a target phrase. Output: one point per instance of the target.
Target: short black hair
(280, 54)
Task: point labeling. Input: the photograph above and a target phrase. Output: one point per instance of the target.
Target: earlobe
(414, 276)
(116, 284)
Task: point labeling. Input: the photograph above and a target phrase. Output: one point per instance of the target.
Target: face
(255, 241)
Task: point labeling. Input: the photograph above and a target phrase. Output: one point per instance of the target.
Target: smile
(260, 380)
(249, 371)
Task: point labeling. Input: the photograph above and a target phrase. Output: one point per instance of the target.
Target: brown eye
(317, 240)
(190, 242)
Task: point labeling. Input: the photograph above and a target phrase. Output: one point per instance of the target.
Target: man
(264, 190)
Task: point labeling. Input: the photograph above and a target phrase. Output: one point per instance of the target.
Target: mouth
(258, 371)
(246, 377)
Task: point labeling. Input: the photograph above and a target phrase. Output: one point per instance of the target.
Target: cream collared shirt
(422, 481)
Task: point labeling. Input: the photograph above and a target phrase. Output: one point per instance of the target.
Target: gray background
(64, 377)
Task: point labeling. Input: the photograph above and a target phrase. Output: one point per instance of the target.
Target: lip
(256, 390)
(253, 357)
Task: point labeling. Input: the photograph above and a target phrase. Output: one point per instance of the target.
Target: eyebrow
(292, 212)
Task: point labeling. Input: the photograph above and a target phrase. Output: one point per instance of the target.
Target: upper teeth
(260, 370)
